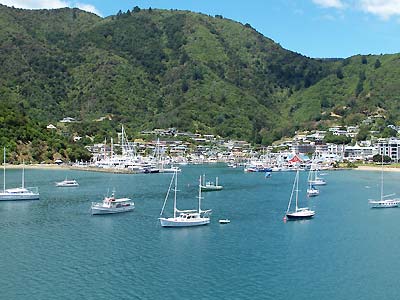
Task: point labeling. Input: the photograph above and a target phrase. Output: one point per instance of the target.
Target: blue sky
(315, 28)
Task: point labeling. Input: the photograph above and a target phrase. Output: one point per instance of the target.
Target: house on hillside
(67, 120)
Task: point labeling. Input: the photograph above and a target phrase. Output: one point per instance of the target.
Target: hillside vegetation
(158, 68)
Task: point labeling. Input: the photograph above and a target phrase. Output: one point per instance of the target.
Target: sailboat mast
(200, 194)
(123, 139)
(23, 174)
(4, 170)
(175, 189)
(297, 188)
(291, 195)
(112, 151)
(382, 178)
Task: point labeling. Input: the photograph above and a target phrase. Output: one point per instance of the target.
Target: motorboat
(67, 183)
(112, 205)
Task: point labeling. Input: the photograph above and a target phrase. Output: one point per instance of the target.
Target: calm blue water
(54, 249)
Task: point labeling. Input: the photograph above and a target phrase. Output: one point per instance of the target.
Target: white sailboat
(312, 191)
(299, 212)
(314, 179)
(382, 202)
(186, 218)
(19, 193)
(207, 186)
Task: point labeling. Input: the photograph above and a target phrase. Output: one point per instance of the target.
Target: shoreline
(123, 171)
(66, 167)
(377, 168)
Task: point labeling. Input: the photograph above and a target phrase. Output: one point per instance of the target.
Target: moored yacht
(112, 205)
(19, 193)
(186, 218)
(207, 186)
(299, 212)
(382, 202)
(67, 183)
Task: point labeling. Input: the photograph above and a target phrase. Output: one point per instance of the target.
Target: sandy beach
(66, 167)
(377, 168)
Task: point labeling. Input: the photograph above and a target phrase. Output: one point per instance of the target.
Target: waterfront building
(390, 147)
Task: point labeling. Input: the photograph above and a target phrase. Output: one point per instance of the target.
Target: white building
(358, 152)
(390, 147)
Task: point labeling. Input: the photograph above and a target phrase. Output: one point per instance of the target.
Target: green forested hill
(159, 68)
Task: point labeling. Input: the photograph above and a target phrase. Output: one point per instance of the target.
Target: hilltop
(158, 68)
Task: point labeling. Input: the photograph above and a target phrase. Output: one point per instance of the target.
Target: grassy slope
(174, 68)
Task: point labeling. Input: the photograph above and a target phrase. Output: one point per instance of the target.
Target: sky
(315, 28)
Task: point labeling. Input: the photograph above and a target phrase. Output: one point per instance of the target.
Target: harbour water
(54, 249)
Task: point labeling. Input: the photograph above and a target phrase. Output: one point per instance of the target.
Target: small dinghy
(224, 221)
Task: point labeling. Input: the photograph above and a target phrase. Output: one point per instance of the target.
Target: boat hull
(317, 182)
(22, 197)
(211, 188)
(67, 185)
(106, 211)
(300, 215)
(384, 204)
(224, 221)
(312, 193)
(176, 222)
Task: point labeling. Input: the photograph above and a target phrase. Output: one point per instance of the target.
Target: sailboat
(210, 186)
(20, 193)
(382, 202)
(312, 191)
(186, 218)
(299, 212)
(313, 178)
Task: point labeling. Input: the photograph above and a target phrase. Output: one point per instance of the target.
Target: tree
(378, 158)
(339, 73)
(359, 88)
(136, 9)
(389, 132)
(364, 60)
(362, 134)
(336, 139)
(377, 64)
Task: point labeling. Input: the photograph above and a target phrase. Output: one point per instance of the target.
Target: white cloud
(88, 7)
(35, 4)
(382, 8)
(49, 4)
(329, 3)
